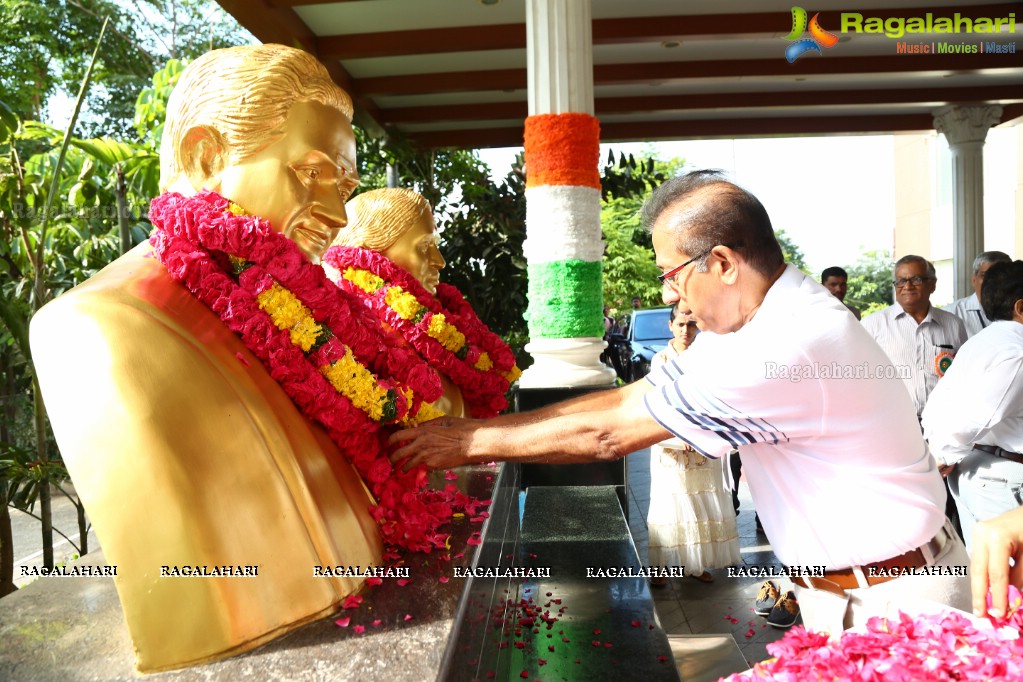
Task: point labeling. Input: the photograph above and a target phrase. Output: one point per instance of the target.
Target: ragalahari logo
(818, 36)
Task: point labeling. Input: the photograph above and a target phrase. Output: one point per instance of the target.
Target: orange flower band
(562, 149)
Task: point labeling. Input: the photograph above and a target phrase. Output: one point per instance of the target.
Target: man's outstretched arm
(596, 428)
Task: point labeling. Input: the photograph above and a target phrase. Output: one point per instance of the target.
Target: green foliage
(50, 42)
(626, 178)
(22, 475)
(440, 175)
(47, 44)
(482, 242)
(629, 267)
(870, 282)
(793, 254)
(151, 105)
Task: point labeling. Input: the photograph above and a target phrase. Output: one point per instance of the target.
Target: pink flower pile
(949, 646)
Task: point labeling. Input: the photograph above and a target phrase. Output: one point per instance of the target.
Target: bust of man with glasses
(186, 451)
(920, 340)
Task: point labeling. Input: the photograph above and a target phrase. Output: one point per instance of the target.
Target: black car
(630, 354)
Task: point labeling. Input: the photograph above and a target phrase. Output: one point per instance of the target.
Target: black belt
(1000, 452)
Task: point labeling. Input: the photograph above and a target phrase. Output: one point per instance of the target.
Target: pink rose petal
(343, 622)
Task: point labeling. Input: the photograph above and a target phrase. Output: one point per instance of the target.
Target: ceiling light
(489, 3)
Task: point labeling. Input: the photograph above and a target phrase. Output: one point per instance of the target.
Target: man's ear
(203, 153)
(729, 264)
(1017, 310)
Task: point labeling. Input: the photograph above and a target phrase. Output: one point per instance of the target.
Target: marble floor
(688, 606)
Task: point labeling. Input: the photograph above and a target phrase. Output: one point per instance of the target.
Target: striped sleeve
(712, 426)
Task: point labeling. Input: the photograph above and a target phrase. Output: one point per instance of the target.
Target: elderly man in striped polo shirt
(833, 453)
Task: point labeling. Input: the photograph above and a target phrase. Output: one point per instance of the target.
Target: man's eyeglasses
(915, 281)
(669, 276)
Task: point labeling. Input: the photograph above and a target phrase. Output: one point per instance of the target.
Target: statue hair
(244, 93)
(378, 218)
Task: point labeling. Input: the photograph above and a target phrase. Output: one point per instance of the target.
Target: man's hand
(439, 444)
(995, 542)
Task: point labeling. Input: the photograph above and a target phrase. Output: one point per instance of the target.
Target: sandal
(704, 577)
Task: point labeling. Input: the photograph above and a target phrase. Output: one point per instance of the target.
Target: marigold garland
(330, 356)
(444, 329)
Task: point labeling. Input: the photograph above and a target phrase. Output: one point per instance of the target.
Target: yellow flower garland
(347, 375)
(287, 312)
(408, 308)
(358, 384)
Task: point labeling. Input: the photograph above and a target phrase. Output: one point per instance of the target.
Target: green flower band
(565, 300)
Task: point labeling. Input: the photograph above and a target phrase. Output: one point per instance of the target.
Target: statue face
(417, 252)
(300, 182)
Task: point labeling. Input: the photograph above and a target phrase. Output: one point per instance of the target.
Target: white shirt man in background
(968, 308)
(974, 418)
(920, 340)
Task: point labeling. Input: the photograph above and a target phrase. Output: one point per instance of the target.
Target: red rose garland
(483, 388)
(228, 262)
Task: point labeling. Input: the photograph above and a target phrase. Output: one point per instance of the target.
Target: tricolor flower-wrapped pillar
(563, 244)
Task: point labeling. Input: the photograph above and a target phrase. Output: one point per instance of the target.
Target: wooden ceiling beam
(616, 74)
(612, 74)
(737, 100)
(680, 130)
(605, 31)
(424, 41)
(272, 24)
(302, 3)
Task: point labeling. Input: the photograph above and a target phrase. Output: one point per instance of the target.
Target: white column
(559, 56)
(562, 222)
(965, 128)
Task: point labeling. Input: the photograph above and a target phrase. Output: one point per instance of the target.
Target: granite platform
(64, 628)
(526, 602)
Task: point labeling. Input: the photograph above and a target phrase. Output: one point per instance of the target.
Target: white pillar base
(567, 362)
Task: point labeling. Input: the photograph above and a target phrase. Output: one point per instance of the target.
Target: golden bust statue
(398, 224)
(184, 450)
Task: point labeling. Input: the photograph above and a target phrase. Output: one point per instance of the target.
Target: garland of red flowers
(227, 261)
(482, 366)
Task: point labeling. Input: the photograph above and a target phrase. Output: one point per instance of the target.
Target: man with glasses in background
(834, 457)
(921, 340)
